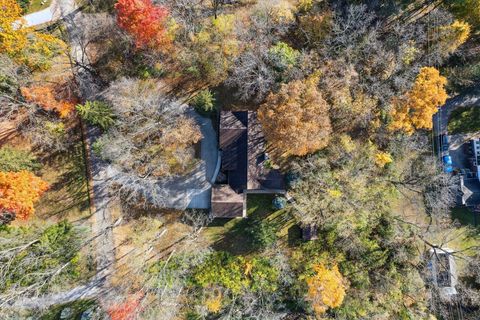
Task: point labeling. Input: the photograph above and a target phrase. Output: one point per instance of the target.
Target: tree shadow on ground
(69, 191)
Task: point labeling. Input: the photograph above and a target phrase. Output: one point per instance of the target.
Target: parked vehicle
(445, 139)
(447, 164)
(447, 160)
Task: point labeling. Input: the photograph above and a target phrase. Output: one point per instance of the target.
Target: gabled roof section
(260, 176)
(233, 143)
(226, 203)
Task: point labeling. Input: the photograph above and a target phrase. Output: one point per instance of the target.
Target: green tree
(263, 233)
(204, 101)
(17, 160)
(468, 10)
(36, 259)
(282, 56)
(97, 113)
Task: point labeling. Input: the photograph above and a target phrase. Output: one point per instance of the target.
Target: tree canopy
(295, 120)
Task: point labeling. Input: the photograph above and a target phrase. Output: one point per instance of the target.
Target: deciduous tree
(415, 110)
(19, 191)
(326, 288)
(295, 120)
(146, 22)
(26, 46)
(45, 97)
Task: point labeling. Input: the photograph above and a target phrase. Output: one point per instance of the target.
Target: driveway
(209, 157)
(440, 119)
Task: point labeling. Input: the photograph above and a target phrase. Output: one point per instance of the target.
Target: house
(442, 271)
(245, 166)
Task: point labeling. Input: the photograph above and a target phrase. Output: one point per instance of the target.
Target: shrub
(97, 113)
(13, 160)
(279, 203)
(204, 101)
(263, 234)
(283, 56)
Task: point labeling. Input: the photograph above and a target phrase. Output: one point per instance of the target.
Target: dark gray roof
(233, 143)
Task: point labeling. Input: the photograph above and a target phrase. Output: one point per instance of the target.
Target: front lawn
(464, 120)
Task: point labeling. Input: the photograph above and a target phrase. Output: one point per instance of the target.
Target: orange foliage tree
(19, 191)
(295, 120)
(326, 288)
(144, 21)
(46, 98)
(416, 109)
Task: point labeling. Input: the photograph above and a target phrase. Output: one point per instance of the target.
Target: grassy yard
(465, 120)
(464, 216)
(232, 234)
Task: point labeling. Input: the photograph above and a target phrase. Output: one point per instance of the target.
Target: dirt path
(102, 223)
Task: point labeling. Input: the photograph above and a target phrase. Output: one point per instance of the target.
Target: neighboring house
(476, 156)
(245, 166)
(443, 272)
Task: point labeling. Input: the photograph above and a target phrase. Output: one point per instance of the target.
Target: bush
(279, 203)
(283, 56)
(204, 101)
(17, 160)
(97, 113)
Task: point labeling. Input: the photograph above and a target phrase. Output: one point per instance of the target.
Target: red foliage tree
(125, 310)
(144, 21)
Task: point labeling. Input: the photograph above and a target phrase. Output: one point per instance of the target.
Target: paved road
(209, 157)
(40, 17)
(56, 10)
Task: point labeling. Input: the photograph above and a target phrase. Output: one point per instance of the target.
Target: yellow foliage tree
(13, 38)
(214, 302)
(453, 36)
(24, 45)
(326, 288)
(415, 110)
(295, 120)
(382, 159)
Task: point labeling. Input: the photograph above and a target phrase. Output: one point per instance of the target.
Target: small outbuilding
(442, 270)
(309, 232)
